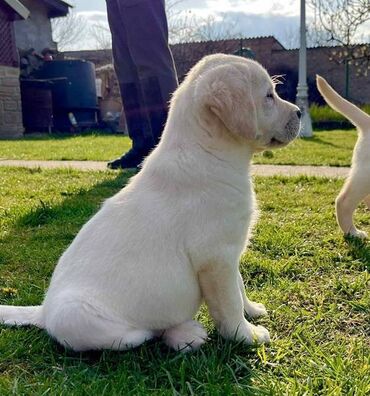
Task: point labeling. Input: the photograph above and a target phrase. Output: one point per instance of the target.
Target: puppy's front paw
(255, 310)
(251, 334)
(357, 233)
(262, 335)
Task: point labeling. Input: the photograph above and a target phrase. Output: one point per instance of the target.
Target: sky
(247, 18)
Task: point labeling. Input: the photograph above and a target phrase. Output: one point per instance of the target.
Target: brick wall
(269, 52)
(318, 62)
(11, 125)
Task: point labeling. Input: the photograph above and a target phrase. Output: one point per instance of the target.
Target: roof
(19, 9)
(57, 8)
(252, 38)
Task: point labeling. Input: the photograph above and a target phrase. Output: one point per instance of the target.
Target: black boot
(139, 129)
(131, 159)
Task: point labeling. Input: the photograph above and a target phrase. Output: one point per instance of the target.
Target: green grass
(314, 283)
(89, 146)
(326, 113)
(332, 148)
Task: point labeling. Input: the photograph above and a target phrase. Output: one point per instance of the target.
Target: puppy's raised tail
(21, 316)
(358, 117)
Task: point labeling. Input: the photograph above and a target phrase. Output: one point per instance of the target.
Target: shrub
(327, 114)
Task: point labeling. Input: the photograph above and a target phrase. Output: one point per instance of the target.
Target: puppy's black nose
(299, 113)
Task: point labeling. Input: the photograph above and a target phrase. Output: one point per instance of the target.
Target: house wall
(11, 125)
(36, 31)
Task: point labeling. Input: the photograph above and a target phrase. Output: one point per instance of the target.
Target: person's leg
(147, 38)
(136, 115)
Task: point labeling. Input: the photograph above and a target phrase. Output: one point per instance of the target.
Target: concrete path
(259, 170)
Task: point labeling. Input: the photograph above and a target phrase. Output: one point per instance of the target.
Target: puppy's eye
(270, 95)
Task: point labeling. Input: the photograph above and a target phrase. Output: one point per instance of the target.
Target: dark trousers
(144, 66)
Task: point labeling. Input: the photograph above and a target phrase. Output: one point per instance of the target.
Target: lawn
(91, 146)
(313, 282)
(333, 148)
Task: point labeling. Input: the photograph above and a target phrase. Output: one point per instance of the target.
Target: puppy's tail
(21, 316)
(358, 117)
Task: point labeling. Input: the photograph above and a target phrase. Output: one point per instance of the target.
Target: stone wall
(11, 125)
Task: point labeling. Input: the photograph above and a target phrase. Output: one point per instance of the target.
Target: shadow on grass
(76, 208)
(220, 367)
(36, 240)
(318, 140)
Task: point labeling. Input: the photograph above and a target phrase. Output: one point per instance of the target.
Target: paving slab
(258, 170)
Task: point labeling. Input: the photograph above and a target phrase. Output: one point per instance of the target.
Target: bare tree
(181, 26)
(181, 23)
(68, 30)
(210, 28)
(341, 21)
(186, 26)
(315, 36)
(101, 35)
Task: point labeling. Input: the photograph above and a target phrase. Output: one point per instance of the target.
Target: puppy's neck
(185, 133)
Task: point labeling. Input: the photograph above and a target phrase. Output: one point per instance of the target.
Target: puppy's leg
(353, 192)
(221, 291)
(253, 309)
(186, 336)
(81, 326)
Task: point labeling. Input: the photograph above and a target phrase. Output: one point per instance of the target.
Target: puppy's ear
(226, 93)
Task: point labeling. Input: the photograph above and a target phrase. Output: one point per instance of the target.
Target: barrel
(74, 91)
(37, 109)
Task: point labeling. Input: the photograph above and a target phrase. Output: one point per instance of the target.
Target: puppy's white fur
(357, 186)
(173, 236)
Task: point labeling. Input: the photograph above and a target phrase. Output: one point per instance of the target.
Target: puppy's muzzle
(290, 131)
(293, 126)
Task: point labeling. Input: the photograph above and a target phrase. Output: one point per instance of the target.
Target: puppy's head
(236, 97)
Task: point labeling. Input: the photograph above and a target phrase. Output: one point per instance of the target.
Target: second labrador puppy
(173, 237)
(357, 186)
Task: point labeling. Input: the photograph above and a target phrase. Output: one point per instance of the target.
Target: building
(10, 97)
(36, 31)
(24, 24)
(272, 55)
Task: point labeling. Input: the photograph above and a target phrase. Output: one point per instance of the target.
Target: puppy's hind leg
(81, 326)
(353, 192)
(252, 309)
(186, 336)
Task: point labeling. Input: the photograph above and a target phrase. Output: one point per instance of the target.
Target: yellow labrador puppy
(172, 238)
(357, 186)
